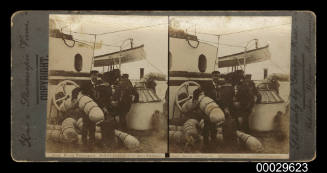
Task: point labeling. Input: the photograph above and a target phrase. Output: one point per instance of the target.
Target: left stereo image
(107, 91)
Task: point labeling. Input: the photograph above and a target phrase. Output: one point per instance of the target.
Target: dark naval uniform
(108, 125)
(245, 99)
(125, 91)
(89, 89)
(225, 95)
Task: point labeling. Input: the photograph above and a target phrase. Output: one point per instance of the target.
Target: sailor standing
(125, 100)
(225, 95)
(209, 128)
(90, 89)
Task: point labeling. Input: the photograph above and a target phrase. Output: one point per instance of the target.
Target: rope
(276, 65)
(68, 44)
(244, 30)
(79, 32)
(154, 66)
(197, 45)
(86, 42)
(141, 27)
(223, 44)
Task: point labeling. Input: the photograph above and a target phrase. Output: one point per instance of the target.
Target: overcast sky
(154, 38)
(278, 37)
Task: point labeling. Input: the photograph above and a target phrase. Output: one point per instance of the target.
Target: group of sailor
(114, 94)
(236, 94)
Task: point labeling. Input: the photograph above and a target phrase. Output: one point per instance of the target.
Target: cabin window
(169, 60)
(202, 63)
(78, 62)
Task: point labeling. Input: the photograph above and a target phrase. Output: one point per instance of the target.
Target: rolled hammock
(250, 142)
(90, 108)
(211, 109)
(176, 137)
(190, 128)
(86, 104)
(208, 106)
(58, 134)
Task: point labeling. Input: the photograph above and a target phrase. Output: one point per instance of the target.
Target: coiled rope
(197, 45)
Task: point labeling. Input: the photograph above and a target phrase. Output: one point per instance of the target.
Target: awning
(252, 56)
(127, 55)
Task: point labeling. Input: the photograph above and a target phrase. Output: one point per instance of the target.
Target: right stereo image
(229, 86)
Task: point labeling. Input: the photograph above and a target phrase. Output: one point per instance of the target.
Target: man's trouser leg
(108, 131)
(229, 131)
(84, 130)
(122, 117)
(213, 132)
(92, 132)
(245, 123)
(206, 131)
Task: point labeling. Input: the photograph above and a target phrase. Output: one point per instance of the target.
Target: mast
(217, 58)
(95, 39)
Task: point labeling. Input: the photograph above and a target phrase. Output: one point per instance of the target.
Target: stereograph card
(163, 86)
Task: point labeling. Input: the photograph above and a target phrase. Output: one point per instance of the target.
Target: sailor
(151, 84)
(209, 128)
(225, 93)
(215, 78)
(210, 88)
(252, 88)
(89, 89)
(129, 86)
(245, 95)
(275, 85)
(126, 90)
(108, 125)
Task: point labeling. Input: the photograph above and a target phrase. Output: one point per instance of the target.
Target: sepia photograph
(229, 86)
(163, 86)
(107, 90)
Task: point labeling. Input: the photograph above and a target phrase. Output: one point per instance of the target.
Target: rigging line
(116, 31)
(79, 41)
(276, 65)
(243, 30)
(154, 66)
(77, 32)
(141, 27)
(224, 44)
(99, 43)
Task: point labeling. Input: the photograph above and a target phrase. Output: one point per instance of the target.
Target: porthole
(78, 62)
(202, 63)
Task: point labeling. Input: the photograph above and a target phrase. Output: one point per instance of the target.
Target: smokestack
(265, 73)
(141, 73)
